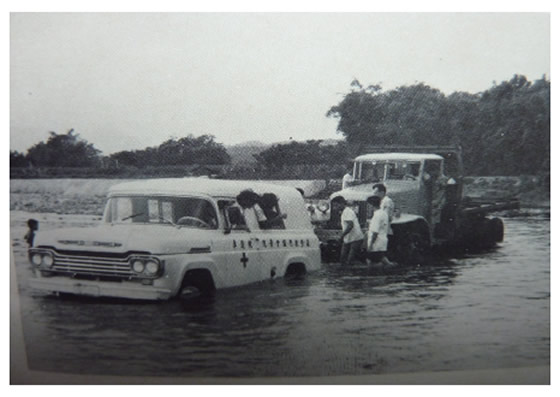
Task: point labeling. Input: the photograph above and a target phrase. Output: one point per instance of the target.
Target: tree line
(69, 150)
(504, 130)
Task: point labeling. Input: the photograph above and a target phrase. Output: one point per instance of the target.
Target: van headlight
(148, 267)
(36, 259)
(48, 260)
(138, 266)
(41, 258)
(152, 268)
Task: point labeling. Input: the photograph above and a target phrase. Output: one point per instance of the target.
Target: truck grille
(92, 264)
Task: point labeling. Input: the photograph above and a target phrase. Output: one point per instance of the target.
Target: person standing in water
(377, 234)
(352, 236)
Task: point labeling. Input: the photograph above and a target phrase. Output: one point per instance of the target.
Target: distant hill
(242, 153)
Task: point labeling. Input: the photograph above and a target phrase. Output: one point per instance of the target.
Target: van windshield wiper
(161, 218)
(131, 216)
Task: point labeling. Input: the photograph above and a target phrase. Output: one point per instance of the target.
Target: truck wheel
(411, 246)
(417, 248)
(330, 251)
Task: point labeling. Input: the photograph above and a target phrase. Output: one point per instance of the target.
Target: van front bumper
(100, 288)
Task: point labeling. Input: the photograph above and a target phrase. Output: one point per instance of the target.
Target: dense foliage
(18, 159)
(504, 130)
(312, 152)
(184, 151)
(61, 150)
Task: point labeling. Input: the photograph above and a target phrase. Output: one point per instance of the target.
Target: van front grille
(93, 265)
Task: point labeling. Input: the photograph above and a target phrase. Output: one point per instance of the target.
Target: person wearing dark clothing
(249, 200)
(33, 226)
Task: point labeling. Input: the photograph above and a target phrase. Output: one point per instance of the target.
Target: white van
(160, 238)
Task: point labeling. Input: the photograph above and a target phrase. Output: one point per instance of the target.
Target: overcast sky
(128, 81)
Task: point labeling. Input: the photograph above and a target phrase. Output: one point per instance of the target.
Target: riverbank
(532, 191)
(87, 196)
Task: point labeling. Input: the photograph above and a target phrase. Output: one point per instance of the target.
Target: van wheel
(295, 271)
(189, 293)
(197, 284)
(496, 226)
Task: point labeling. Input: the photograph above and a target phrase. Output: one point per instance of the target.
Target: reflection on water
(483, 310)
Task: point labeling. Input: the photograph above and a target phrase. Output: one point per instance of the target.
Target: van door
(244, 261)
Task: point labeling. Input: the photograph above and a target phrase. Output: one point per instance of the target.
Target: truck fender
(408, 218)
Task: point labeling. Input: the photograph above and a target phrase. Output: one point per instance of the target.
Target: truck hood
(362, 192)
(156, 239)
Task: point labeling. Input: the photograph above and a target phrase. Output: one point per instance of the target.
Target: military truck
(426, 185)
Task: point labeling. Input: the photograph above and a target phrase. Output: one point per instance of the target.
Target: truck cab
(408, 177)
(170, 237)
(426, 186)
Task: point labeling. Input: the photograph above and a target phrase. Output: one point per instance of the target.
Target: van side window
(271, 209)
(236, 218)
(232, 214)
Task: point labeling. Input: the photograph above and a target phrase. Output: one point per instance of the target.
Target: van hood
(155, 239)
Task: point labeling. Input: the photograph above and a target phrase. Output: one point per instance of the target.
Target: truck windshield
(388, 170)
(180, 211)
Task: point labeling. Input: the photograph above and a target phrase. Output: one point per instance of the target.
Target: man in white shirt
(347, 179)
(352, 236)
(377, 234)
(387, 205)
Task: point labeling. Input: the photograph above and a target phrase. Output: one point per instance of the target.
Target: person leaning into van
(352, 236)
(274, 218)
(254, 215)
(377, 234)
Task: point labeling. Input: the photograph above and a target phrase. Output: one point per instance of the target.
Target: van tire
(189, 293)
(496, 226)
(197, 283)
(295, 271)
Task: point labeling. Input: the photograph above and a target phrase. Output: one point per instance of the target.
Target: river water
(485, 310)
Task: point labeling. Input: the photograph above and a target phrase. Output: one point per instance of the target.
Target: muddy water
(485, 310)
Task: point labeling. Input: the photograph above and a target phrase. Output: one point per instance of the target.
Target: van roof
(197, 186)
(398, 157)
(291, 200)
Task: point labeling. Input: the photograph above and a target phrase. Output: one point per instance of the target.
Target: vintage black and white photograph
(295, 198)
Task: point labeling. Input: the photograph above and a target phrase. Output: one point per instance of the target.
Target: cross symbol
(244, 259)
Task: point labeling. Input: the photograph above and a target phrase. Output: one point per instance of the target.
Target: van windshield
(181, 211)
